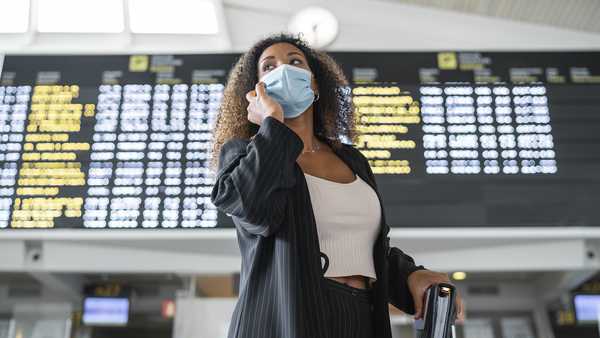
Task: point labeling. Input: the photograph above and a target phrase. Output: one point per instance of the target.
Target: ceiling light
(14, 16)
(459, 275)
(173, 17)
(79, 16)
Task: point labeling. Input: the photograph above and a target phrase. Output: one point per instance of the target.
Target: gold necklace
(313, 149)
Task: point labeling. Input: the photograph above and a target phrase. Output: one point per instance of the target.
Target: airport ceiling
(583, 15)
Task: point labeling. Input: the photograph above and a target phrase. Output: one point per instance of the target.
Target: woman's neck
(303, 126)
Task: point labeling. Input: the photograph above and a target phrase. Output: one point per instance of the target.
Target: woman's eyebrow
(271, 56)
(266, 57)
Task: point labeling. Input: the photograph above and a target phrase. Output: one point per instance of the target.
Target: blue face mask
(290, 86)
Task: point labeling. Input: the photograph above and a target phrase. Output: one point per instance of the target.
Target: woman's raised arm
(254, 177)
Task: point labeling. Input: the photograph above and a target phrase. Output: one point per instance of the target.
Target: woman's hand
(420, 280)
(262, 105)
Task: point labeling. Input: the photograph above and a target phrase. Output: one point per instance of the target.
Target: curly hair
(333, 112)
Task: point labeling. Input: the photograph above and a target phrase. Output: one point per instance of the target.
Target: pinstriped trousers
(350, 309)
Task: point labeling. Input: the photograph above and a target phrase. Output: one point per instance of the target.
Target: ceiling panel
(574, 14)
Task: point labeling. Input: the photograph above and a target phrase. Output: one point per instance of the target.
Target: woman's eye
(266, 67)
(298, 63)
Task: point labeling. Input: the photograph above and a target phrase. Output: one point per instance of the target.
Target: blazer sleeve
(254, 177)
(400, 264)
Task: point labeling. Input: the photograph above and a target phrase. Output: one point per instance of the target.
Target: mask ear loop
(316, 98)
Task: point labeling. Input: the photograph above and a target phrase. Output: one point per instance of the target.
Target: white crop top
(347, 217)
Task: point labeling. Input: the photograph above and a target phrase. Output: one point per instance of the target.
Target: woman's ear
(314, 86)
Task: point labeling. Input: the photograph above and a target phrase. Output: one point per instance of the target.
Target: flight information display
(454, 138)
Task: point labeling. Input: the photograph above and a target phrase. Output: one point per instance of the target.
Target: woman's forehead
(280, 48)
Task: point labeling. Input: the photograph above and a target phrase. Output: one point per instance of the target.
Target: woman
(316, 261)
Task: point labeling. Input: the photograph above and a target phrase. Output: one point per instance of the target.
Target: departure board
(454, 138)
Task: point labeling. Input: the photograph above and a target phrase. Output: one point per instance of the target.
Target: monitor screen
(587, 308)
(105, 311)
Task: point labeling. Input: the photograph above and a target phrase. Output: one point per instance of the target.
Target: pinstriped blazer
(282, 286)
